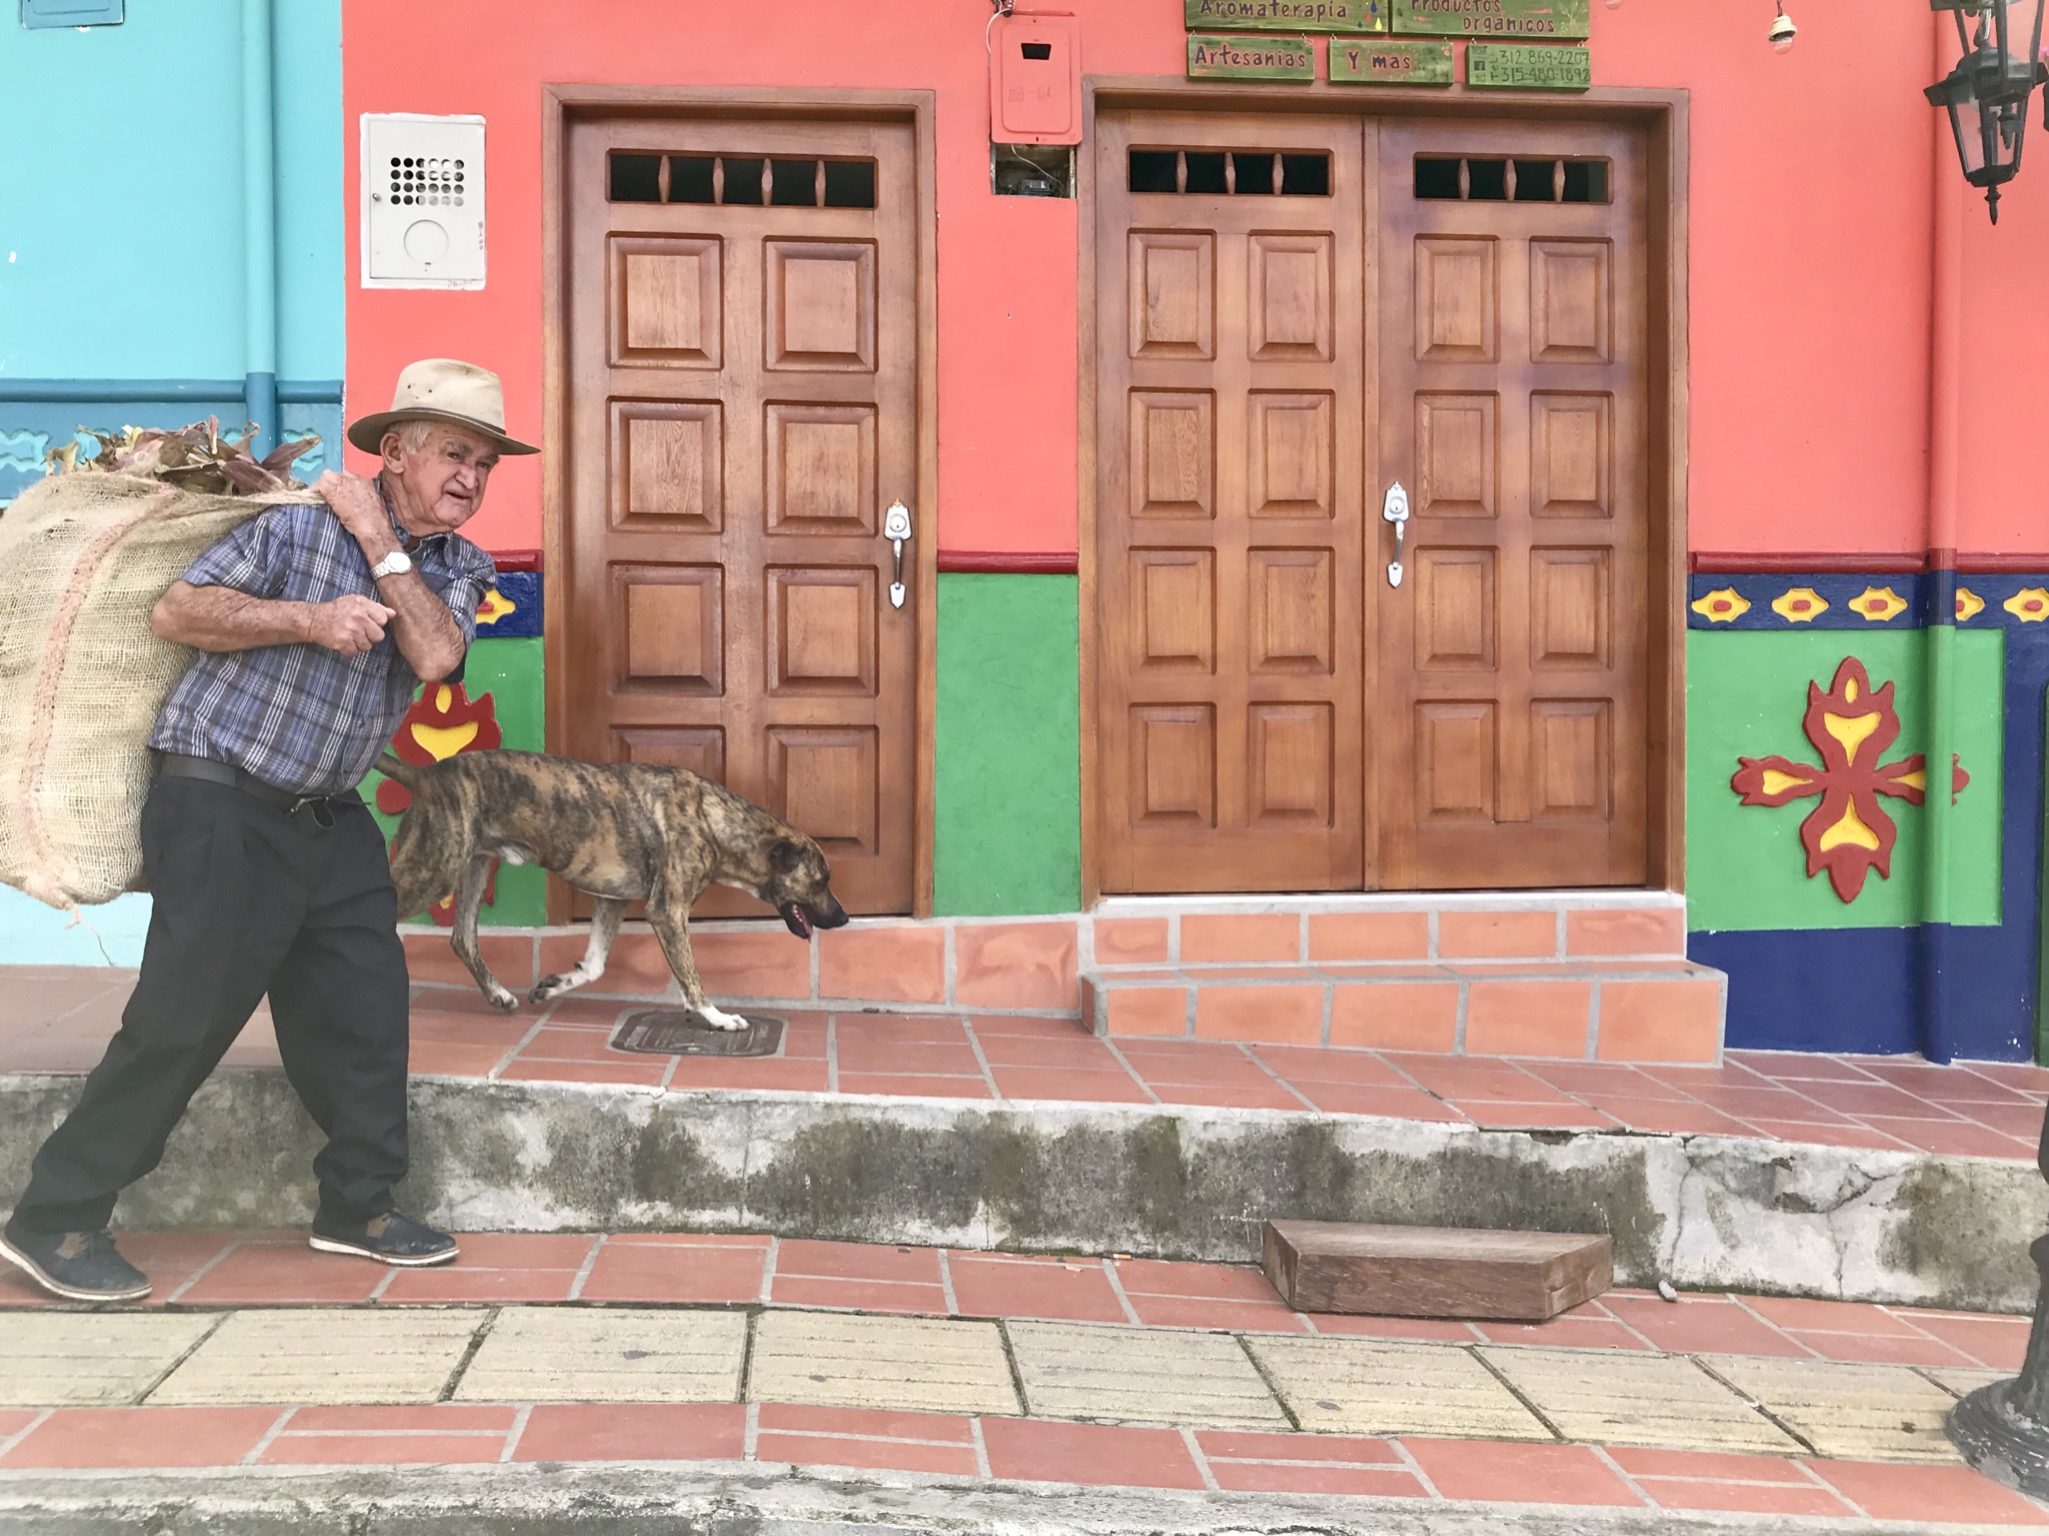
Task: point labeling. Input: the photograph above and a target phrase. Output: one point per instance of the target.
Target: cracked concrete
(1702, 1212)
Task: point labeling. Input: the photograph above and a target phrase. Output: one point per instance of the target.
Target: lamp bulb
(1782, 33)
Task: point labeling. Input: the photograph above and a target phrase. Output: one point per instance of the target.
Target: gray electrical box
(423, 201)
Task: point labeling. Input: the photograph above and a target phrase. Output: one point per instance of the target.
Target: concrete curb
(1703, 1212)
(611, 1499)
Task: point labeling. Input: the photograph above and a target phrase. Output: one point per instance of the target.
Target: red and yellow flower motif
(2030, 605)
(443, 722)
(1878, 605)
(1800, 605)
(1849, 833)
(495, 606)
(1724, 605)
(1969, 605)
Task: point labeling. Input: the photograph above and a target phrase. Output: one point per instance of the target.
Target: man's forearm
(427, 634)
(222, 619)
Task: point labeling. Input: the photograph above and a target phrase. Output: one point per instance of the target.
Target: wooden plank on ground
(1335, 1266)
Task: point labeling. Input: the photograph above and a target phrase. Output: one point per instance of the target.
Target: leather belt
(176, 765)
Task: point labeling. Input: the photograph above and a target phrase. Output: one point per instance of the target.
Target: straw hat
(441, 389)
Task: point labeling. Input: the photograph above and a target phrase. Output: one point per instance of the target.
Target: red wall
(1810, 211)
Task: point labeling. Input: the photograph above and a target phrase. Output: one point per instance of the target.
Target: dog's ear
(785, 856)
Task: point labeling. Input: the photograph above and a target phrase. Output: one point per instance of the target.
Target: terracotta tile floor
(655, 1268)
(59, 1020)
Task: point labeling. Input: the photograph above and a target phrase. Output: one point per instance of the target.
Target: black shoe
(389, 1239)
(79, 1266)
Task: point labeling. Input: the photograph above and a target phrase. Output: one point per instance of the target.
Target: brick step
(1621, 1010)
(1313, 930)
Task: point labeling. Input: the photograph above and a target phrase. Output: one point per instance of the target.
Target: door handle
(896, 527)
(1394, 507)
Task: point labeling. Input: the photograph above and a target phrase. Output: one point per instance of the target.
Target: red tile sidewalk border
(1008, 1449)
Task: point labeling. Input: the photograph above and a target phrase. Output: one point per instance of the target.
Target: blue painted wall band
(115, 391)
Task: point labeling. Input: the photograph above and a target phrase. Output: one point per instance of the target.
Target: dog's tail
(408, 774)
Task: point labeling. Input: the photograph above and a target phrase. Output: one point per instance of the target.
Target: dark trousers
(248, 899)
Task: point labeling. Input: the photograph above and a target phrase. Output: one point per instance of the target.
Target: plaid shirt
(300, 717)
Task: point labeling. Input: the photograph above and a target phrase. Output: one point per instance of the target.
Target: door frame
(560, 106)
(1662, 117)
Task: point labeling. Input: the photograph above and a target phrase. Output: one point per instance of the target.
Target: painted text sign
(1494, 18)
(1372, 62)
(1511, 67)
(1287, 15)
(1250, 58)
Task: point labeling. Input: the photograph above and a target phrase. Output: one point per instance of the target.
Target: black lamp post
(2003, 1429)
(1986, 95)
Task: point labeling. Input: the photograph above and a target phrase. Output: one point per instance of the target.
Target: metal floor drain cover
(679, 1032)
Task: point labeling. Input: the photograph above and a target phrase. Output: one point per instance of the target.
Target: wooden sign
(1369, 61)
(1556, 19)
(1287, 15)
(1250, 58)
(1513, 67)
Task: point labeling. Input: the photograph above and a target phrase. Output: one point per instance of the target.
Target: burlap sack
(83, 559)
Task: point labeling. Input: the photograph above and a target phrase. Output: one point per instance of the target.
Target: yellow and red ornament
(1849, 834)
(443, 723)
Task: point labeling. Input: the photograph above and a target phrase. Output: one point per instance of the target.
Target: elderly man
(314, 625)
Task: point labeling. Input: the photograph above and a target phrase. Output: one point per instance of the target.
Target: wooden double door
(1306, 678)
(742, 395)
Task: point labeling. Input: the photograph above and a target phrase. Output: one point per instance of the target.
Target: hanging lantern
(1986, 95)
(1782, 32)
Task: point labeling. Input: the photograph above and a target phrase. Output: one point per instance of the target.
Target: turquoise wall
(123, 249)
(122, 257)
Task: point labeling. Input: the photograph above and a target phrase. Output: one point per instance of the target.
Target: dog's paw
(503, 999)
(551, 987)
(718, 1018)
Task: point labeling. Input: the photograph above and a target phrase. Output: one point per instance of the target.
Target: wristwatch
(397, 563)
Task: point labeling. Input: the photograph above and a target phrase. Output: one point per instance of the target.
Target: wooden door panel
(1457, 439)
(743, 397)
(1512, 677)
(668, 465)
(1173, 447)
(1291, 607)
(1231, 401)
(1456, 299)
(1572, 455)
(667, 301)
(1290, 449)
(670, 635)
(820, 469)
(1571, 301)
(819, 300)
(1172, 298)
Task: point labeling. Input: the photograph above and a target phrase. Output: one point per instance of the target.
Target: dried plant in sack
(86, 553)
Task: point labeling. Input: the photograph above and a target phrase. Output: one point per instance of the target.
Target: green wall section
(510, 671)
(1746, 693)
(1008, 782)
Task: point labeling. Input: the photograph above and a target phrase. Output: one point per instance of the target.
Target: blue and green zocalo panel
(1944, 960)
(1747, 696)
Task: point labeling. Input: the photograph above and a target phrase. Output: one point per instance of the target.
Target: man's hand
(356, 503)
(349, 625)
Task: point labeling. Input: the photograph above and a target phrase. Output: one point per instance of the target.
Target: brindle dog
(618, 831)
